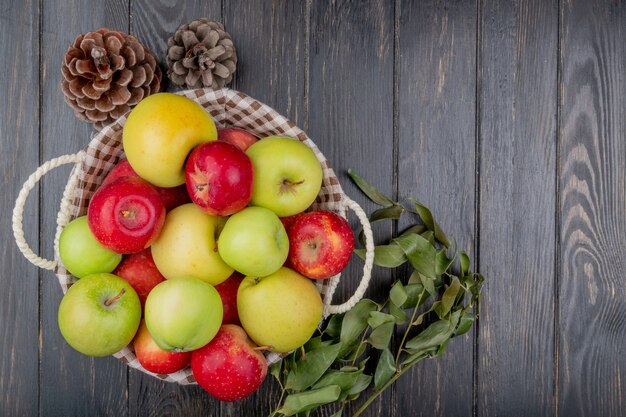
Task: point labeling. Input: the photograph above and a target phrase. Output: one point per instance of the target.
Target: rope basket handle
(367, 267)
(62, 217)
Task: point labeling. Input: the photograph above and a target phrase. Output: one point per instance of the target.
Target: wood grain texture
(436, 165)
(351, 90)
(153, 22)
(518, 106)
(592, 311)
(19, 155)
(72, 384)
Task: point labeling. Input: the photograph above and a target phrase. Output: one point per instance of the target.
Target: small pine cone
(107, 72)
(201, 54)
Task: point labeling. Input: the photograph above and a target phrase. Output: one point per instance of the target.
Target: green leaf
(430, 223)
(377, 318)
(397, 295)
(415, 278)
(432, 337)
(308, 400)
(354, 323)
(384, 370)
(428, 283)
(418, 229)
(333, 328)
(465, 264)
(350, 382)
(393, 212)
(398, 313)
(369, 190)
(465, 324)
(388, 256)
(448, 298)
(275, 369)
(381, 336)
(311, 368)
(442, 262)
(419, 252)
(415, 294)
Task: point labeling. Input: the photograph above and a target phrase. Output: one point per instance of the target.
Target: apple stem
(303, 352)
(262, 348)
(128, 214)
(114, 299)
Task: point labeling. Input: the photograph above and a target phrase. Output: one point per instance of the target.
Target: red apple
(126, 215)
(289, 220)
(219, 178)
(228, 294)
(236, 136)
(155, 359)
(228, 367)
(140, 272)
(320, 244)
(171, 197)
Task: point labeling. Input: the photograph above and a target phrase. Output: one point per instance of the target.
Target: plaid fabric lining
(229, 108)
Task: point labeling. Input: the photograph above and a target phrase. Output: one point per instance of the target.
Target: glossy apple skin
(281, 310)
(159, 134)
(219, 178)
(171, 197)
(254, 242)
(141, 272)
(155, 359)
(228, 367)
(126, 215)
(183, 314)
(289, 220)
(320, 244)
(287, 175)
(238, 137)
(228, 293)
(90, 326)
(80, 252)
(187, 246)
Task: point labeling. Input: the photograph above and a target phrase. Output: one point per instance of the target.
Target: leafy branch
(438, 301)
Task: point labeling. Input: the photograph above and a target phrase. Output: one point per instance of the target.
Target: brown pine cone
(201, 54)
(107, 72)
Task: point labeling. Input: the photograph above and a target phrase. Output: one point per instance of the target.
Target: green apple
(287, 175)
(183, 314)
(99, 314)
(281, 310)
(254, 242)
(159, 134)
(187, 246)
(80, 252)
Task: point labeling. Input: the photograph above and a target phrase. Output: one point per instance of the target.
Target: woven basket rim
(229, 108)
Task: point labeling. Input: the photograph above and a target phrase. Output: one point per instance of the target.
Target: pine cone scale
(105, 72)
(201, 54)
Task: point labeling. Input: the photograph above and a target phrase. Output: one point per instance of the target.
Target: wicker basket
(228, 108)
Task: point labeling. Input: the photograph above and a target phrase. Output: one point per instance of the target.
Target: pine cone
(105, 73)
(201, 54)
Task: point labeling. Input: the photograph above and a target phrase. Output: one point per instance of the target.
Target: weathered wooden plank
(592, 205)
(270, 41)
(436, 165)
(71, 384)
(19, 156)
(351, 93)
(153, 23)
(517, 127)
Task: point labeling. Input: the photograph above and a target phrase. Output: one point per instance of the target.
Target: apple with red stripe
(230, 367)
(126, 215)
(320, 244)
(155, 359)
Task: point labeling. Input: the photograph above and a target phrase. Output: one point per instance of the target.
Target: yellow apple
(187, 246)
(159, 134)
(281, 310)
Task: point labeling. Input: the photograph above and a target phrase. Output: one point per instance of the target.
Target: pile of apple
(197, 249)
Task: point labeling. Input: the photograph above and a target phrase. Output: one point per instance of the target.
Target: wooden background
(507, 118)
